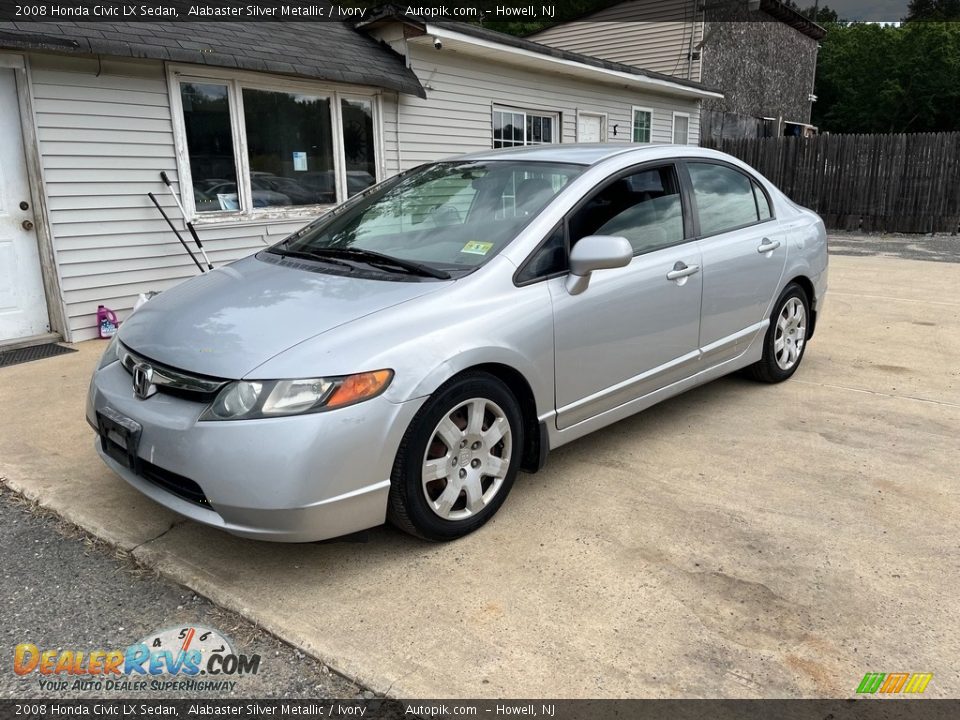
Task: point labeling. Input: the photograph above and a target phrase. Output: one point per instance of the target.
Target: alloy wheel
(791, 332)
(467, 459)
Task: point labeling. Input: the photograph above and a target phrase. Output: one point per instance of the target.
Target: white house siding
(620, 34)
(456, 116)
(105, 133)
(391, 162)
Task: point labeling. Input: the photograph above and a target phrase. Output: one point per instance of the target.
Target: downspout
(693, 32)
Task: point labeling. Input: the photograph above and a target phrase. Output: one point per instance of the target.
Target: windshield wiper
(310, 255)
(387, 262)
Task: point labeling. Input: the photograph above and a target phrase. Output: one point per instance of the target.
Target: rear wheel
(458, 460)
(786, 338)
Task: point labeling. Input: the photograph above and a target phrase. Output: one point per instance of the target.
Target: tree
(822, 14)
(933, 10)
(876, 78)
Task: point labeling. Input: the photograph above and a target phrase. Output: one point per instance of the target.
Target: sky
(875, 10)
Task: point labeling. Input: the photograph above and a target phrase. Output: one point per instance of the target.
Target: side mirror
(596, 252)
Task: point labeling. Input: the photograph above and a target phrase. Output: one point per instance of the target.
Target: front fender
(481, 319)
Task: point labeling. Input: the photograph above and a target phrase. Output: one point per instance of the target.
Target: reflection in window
(443, 214)
(358, 145)
(549, 259)
(290, 148)
(724, 197)
(213, 168)
(763, 204)
(526, 189)
(645, 208)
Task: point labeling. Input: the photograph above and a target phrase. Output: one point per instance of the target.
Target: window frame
(673, 127)
(555, 115)
(688, 210)
(633, 120)
(236, 82)
(686, 182)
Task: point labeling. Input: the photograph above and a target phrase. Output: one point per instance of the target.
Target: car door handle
(682, 270)
(768, 245)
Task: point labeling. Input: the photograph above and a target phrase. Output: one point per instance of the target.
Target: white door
(590, 128)
(23, 308)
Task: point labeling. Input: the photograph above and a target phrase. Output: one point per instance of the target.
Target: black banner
(388, 709)
(477, 11)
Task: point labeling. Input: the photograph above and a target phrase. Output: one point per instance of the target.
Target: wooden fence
(891, 183)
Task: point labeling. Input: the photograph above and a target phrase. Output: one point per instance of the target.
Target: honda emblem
(143, 386)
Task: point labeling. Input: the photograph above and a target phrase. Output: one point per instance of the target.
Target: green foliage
(874, 78)
(818, 13)
(933, 10)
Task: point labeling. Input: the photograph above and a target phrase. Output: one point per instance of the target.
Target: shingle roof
(329, 50)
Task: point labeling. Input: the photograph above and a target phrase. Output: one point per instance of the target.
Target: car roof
(590, 153)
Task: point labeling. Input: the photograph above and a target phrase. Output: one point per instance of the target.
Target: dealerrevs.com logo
(193, 658)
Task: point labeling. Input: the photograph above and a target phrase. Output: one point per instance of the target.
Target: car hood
(227, 322)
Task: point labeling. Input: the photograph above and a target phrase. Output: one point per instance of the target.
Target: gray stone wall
(765, 69)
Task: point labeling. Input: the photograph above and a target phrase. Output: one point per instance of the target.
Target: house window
(289, 148)
(213, 167)
(642, 124)
(514, 128)
(358, 144)
(681, 128)
(255, 149)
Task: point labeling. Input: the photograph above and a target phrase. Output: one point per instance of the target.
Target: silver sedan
(404, 356)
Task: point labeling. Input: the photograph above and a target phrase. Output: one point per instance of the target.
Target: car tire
(458, 459)
(785, 341)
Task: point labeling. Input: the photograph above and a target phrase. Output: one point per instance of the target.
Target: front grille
(180, 486)
(169, 380)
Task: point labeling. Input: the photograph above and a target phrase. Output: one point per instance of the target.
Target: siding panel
(103, 142)
(653, 36)
(456, 117)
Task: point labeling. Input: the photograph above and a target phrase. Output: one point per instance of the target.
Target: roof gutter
(604, 74)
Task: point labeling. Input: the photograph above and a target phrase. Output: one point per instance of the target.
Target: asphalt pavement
(736, 541)
(63, 590)
(936, 248)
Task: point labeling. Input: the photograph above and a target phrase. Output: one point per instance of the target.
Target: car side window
(725, 197)
(644, 207)
(763, 202)
(549, 258)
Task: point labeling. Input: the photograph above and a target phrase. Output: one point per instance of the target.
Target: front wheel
(458, 460)
(786, 337)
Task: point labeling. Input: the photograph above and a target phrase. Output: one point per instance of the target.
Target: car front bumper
(291, 479)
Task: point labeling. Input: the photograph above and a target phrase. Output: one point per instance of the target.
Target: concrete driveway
(739, 541)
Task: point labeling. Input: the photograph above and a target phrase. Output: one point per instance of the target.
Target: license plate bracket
(119, 437)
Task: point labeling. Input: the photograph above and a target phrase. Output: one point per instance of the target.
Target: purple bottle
(106, 321)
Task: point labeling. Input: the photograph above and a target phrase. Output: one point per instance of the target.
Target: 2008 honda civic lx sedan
(405, 355)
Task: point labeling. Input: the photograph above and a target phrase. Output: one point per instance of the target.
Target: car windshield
(450, 216)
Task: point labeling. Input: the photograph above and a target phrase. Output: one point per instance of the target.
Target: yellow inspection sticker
(475, 247)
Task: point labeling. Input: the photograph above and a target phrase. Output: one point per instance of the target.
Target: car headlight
(248, 399)
(110, 354)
